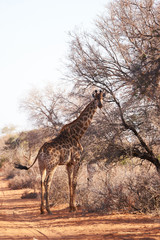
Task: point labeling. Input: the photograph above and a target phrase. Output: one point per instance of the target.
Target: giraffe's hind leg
(48, 181)
(70, 181)
(72, 170)
(43, 176)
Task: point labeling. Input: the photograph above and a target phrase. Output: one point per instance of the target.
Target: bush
(59, 187)
(23, 179)
(123, 188)
(19, 182)
(144, 192)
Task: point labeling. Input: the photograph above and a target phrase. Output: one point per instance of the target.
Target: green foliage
(2, 160)
(125, 160)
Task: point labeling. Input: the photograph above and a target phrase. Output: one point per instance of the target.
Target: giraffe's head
(98, 97)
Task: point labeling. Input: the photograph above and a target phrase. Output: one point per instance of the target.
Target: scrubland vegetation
(127, 185)
(120, 167)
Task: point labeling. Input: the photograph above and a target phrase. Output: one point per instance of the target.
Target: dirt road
(20, 219)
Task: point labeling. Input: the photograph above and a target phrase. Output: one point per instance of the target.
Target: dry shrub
(123, 188)
(144, 192)
(59, 187)
(23, 179)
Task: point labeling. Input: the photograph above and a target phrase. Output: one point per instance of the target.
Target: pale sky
(33, 42)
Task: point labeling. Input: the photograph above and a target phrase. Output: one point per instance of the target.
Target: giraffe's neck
(79, 126)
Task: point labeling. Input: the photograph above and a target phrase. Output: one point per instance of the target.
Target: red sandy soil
(21, 219)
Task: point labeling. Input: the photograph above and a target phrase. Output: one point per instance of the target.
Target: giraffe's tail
(22, 167)
(19, 166)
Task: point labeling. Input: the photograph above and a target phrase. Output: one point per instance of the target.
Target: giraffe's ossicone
(65, 149)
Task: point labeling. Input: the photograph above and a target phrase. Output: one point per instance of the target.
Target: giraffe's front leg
(72, 169)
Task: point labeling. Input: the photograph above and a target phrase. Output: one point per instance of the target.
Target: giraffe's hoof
(73, 209)
(42, 210)
(50, 213)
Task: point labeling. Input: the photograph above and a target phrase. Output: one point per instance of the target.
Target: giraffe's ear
(94, 93)
(103, 93)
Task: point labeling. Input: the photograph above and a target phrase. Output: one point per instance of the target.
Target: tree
(50, 109)
(44, 107)
(122, 56)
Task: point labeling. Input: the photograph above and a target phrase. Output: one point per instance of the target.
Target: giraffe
(65, 149)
